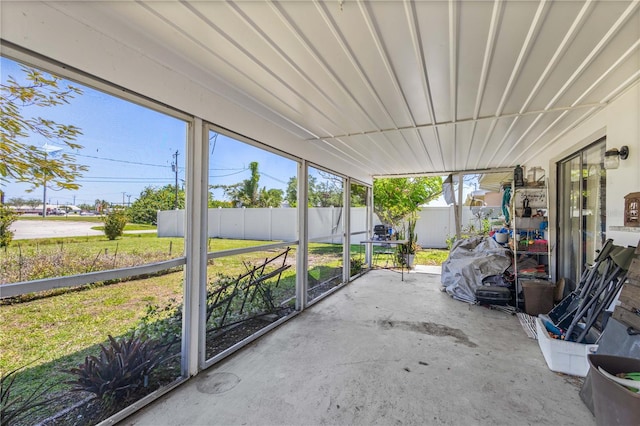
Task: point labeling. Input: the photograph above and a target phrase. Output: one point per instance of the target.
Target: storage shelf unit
(528, 229)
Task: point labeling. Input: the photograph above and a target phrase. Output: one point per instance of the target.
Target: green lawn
(431, 256)
(117, 307)
(54, 333)
(40, 329)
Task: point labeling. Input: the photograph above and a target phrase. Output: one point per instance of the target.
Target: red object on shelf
(539, 246)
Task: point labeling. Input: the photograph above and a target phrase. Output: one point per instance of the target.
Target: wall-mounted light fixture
(613, 156)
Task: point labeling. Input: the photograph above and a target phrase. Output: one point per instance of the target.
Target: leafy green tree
(291, 194)
(358, 195)
(16, 201)
(270, 197)
(33, 202)
(395, 199)
(324, 194)
(212, 203)
(114, 223)
(151, 199)
(21, 159)
(219, 203)
(249, 194)
(87, 207)
(7, 217)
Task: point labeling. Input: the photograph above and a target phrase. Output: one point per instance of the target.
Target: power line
(146, 164)
(230, 174)
(125, 177)
(274, 178)
(125, 181)
(122, 161)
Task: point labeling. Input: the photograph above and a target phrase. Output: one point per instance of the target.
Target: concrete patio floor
(381, 351)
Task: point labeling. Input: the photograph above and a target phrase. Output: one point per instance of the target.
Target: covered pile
(470, 261)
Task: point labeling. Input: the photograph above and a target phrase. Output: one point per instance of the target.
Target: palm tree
(249, 192)
(270, 197)
(101, 205)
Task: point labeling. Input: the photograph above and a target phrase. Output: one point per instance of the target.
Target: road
(28, 229)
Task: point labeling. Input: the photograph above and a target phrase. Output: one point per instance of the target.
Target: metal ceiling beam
(468, 120)
(443, 173)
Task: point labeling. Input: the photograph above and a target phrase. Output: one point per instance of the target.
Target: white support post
(368, 254)
(346, 231)
(303, 237)
(458, 211)
(193, 336)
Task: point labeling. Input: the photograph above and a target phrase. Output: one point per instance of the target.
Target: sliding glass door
(581, 211)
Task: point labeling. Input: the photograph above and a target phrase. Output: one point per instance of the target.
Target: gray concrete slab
(426, 269)
(30, 229)
(381, 351)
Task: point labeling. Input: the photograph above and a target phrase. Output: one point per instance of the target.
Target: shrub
(121, 368)
(163, 324)
(7, 217)
(356, 265)
(114, 224)
(14, 409)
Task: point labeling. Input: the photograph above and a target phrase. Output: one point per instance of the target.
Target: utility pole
(128, 200)
(47, 150)
(123, 194)
(174, 167)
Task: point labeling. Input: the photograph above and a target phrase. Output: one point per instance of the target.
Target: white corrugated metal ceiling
(396, 87)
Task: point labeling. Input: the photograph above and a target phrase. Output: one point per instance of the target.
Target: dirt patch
(229, 336)
(575, 381)
(430, 328)
(215, 383)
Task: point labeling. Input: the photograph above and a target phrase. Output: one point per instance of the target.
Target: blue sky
(128, 147)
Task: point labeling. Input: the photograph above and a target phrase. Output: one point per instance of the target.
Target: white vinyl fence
(267, 224)
(434, 225)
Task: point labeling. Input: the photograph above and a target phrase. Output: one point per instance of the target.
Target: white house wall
(620, 123)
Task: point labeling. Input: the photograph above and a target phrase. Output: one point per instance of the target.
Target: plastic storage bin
(538, 296)
(562, 356)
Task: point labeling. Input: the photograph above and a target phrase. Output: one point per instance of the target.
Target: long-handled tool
(595, 302)
(590, 300)
(562, 315)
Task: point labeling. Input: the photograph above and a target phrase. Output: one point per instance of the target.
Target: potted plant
(406, 252)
